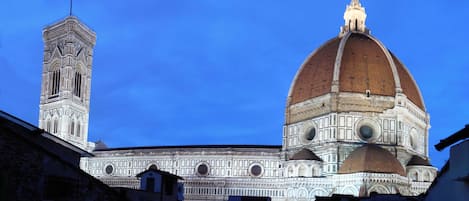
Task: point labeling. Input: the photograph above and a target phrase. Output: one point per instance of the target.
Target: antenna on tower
(71, 4)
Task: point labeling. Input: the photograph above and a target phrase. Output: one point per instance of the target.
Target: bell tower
(66, 80)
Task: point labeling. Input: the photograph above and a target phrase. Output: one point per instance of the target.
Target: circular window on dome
(256, 170)
(368, 130)
(202, 169)
(109, 169)
(309, 135)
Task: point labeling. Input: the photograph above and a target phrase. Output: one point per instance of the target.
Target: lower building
(39, 166)
(452, 182)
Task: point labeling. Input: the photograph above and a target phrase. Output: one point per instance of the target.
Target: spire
(355, 17)
(71, 5)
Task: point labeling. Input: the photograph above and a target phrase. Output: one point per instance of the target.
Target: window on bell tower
(55, 83)
(78, 129)
(77, 84)
(56, 126)
(72, 128)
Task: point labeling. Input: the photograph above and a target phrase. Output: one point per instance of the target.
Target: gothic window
(48, 126)
(55, 83)
(78, 129)
(72, 128)
(77, 84)
(56, 125)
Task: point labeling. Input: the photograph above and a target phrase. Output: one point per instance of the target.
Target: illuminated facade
(355, 123)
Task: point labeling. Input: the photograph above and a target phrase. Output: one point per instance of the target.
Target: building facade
(355, 123)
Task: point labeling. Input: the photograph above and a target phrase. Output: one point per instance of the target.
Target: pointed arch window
(55, 83)
(56, 126)
(48, 125)
(77, 84)
(78, 129)
(72, 128)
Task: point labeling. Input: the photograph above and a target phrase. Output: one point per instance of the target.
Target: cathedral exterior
(355, 123)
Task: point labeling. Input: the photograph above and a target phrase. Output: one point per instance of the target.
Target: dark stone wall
(29, 171)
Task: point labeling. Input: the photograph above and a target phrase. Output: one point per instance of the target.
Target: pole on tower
(71, 4)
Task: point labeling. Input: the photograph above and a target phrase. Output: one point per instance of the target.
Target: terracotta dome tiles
(373, 159)
(408, 85)
(315, 77)
(364, 66)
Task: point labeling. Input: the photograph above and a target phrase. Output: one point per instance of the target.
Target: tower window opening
(48, 125)
(55, 83)
(72, 128)
(78, 129)
(77, 85)
(356, 24)
(56, 126)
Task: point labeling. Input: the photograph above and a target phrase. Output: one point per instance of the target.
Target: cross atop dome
(355, 17)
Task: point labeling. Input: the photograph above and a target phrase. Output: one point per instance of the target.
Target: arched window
(313, 172)
(54, 83)
(415, 176)
(56, 126)
(72, 128)
(77, 84)
(302, 171)
(427, 177)
(48, 126)
(290, 171)
(78, 129)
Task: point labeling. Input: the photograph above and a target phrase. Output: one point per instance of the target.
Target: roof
(460, 135)
(371, 158)
(35, 131)
(195, 146)
(358, 62)
(159, 172)
(305, 154)
(417, 160)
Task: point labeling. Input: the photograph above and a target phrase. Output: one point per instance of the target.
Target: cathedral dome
(371, 158)
(354, 62)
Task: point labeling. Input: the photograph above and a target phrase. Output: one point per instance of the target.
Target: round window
(311, 134)
(109, 169)
(366, 132)
(202, 169)
(256, 170)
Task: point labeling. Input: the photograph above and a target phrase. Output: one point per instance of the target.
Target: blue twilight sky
(179, 72)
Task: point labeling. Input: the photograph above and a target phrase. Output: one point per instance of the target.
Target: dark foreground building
(36, 165)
